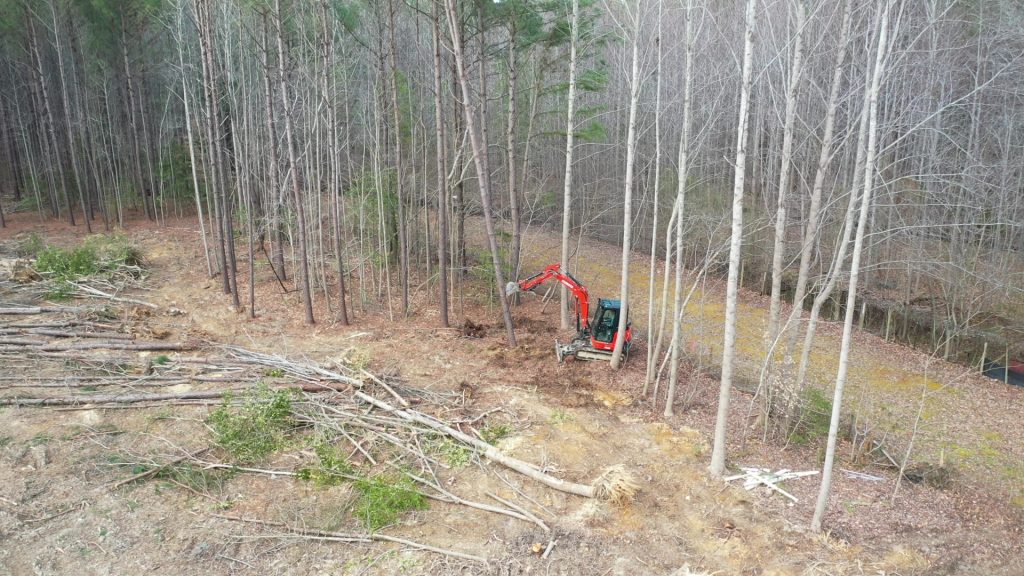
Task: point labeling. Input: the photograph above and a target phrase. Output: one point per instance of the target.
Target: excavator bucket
(511, 288)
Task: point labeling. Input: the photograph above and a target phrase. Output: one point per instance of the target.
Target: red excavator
(595, 337)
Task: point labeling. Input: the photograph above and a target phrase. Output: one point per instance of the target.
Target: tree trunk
(627, 205)
(49, 126)
(211, 138)
(680, 205)
(191, 144)
(858, 245)
(652, 276)
(307, 296)
(333, 162)
(278, 197)
(510, 143)
(133, 127)
(717, 466)
(68, 131)
(442, 187)
(403, 248)
(810, 234)
(570, 128)
(785, 170)
(478, 151)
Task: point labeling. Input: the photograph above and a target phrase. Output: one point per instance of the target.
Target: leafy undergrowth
(261, 422)
(255, 429)
(383, 499)
(379, 500)
(105, 258)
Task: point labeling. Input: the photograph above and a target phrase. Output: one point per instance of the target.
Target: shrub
(333, 468)
(30, 246)
(816, 415)
(255, 429)
(67, 264)
(383, 499)
(493, 433)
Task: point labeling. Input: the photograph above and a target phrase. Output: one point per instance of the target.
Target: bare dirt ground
(59, 512)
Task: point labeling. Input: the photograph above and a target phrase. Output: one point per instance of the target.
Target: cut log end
(616, 485)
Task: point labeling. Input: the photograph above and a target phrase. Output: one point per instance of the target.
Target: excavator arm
(579, 291)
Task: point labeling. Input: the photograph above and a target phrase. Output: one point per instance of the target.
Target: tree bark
(485, 198)
(858, 246)
(717, 467)
(570, 128)
(307, 296)
(627, 205)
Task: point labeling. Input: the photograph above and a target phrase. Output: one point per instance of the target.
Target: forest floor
(61, 513)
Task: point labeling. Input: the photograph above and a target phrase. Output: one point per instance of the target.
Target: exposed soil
(59, 513)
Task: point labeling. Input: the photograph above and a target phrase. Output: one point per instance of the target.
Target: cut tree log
(29, 310)
(67, 334)
(136, 346)
(77, 400)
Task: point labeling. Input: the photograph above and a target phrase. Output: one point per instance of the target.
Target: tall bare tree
(469, 110)
(881, 42)
(717, 466)
(293, 168)
(570, 129)
(627, 202)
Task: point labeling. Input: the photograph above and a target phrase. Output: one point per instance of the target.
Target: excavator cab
(606, 321)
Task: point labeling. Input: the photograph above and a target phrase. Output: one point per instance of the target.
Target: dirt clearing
(66, 505)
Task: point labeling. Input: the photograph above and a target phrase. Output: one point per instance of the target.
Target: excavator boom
(579, 291)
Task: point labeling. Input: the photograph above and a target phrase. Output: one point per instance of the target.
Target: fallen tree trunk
(21, 342)
(157, 469)
(67, 334)
(488, 451)
(137, 346)
(29, 310)
(89, 291)
(77, 400)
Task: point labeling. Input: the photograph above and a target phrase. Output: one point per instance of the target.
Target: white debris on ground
(754, 477)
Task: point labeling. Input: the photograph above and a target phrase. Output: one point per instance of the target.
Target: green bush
(30, 246)
(493, 433)
(67, 264)
(333, 468)
(31, 203)
(380, 500)
(255, 429)
(383, 499)
(98, 254)
(815, 417)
